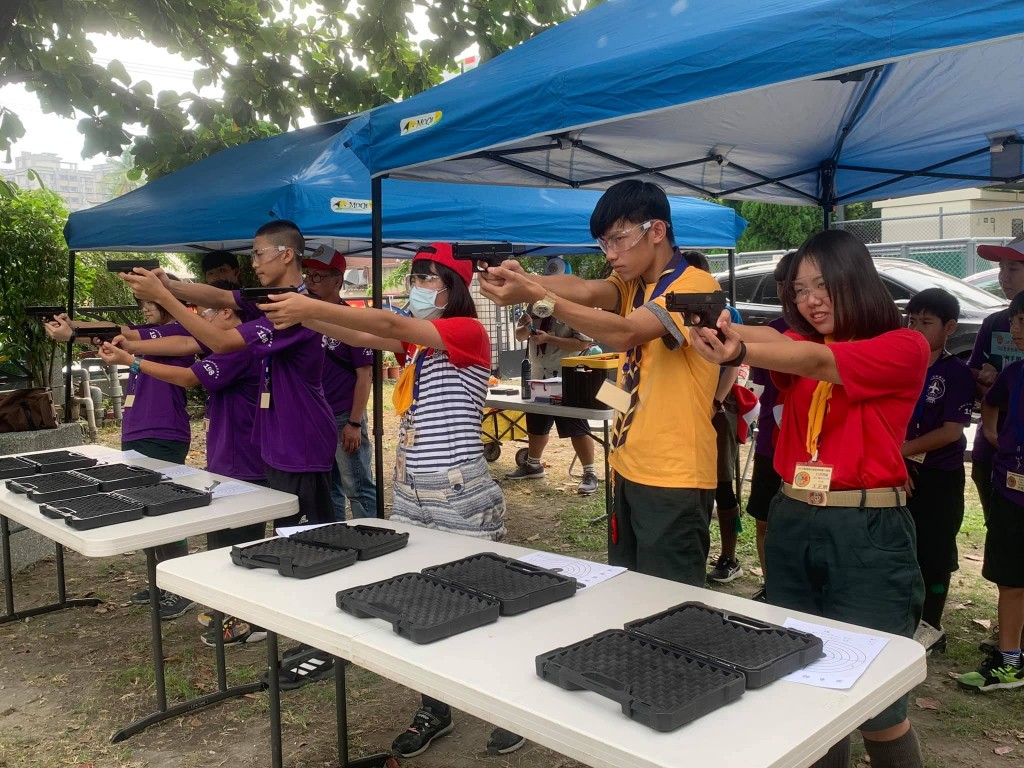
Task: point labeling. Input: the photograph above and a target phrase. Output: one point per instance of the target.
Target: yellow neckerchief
(816, 414)
(401, 398)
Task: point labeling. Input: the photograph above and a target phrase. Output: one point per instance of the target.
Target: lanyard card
(815, 478)
(129, 401)
(1015, 481)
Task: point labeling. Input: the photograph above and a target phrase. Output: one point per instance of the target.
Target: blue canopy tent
(311, 177)
(795, 101)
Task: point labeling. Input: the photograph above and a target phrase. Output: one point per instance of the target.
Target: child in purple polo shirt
(1005, 526)
(993, 351)
(934, 454)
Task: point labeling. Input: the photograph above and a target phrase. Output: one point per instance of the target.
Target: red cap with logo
(325, 258)
(442, 253)
(1012, 251)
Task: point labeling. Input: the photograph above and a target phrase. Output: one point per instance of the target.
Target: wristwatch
(545, 307)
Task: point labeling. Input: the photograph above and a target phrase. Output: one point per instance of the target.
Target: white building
(964, 213)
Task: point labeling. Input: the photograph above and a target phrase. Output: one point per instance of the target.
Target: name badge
(814, 477)
(129, 401)
(264, 400)
(613, 396)
(1015, 481)
(400, 465)
(917, 458)
(206, 425)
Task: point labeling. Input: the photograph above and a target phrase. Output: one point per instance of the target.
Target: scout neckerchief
(265, 395)
(407, 388)
(631, 368)
(816, 414)
(923, 397)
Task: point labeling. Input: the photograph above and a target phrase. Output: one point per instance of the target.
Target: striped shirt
(452, 388)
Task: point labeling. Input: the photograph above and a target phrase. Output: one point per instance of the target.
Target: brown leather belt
(869, 497)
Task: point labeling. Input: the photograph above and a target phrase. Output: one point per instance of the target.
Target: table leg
(62, 602)
(606, 444)
(381, 760)
(163, 711)
(217, 621)
(274, 690)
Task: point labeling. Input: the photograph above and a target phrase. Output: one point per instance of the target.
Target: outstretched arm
(173, 374)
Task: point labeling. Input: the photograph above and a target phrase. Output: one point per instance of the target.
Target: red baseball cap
(442, 254)
(325, 258)
(1012, 251)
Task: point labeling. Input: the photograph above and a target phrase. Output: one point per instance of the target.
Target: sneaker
(726, 569)
(425, 727)
(760, 596)
(140, 598)
(235, 633)
(300, 665)
(930, 637)
(205, 618)
(173, 606)
(992, 678)
(587, 486)
(503, 742)
(529, 472)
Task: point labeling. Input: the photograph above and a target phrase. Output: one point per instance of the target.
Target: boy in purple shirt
(348, 379)
(934, 454)
(993, 351)
(1005, 525)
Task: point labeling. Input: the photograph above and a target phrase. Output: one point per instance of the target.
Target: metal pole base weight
(185, 707)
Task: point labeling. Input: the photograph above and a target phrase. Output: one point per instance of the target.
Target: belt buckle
(817, 498)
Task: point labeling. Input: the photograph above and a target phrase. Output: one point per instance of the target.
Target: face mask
(421, 303)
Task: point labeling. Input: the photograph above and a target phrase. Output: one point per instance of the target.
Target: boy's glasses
(618, 242)
(257, 253)
(317, 277)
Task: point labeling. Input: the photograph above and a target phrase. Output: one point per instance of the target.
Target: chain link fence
(947, 241)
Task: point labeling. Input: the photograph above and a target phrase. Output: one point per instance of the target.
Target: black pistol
(100, 333)
(700, 310)
(256, 294)
(483, 255)
(45, 313)
(127, 265)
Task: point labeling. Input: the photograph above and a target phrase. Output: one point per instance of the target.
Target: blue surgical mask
(421, 303)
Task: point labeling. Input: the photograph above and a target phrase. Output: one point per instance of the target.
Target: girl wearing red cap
(441, 479)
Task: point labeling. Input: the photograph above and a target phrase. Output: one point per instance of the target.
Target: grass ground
(68, 680)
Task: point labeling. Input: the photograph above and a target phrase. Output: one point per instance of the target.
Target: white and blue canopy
(794, 101)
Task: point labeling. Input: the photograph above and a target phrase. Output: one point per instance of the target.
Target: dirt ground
(68, 680)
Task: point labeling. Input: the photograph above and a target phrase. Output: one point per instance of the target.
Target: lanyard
(919, 406)
(266, 366)
(420, 358)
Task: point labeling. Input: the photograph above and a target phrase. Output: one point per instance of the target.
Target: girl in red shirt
(840, 541)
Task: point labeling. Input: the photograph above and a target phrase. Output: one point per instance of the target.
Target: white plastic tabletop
(227, 512)
(516, 403)
(490, 671)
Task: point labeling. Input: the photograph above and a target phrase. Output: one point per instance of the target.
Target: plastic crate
(292, 558)
(59, 461)
(167, 497)
(762, 652)
(55, 486)
(95, 511)
(114, 477)
(16, 466)
(368, 540)
(518, 587)
(655, 684)
(418, 607)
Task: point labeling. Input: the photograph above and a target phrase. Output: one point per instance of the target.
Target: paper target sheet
(847, 656)
(586, 573)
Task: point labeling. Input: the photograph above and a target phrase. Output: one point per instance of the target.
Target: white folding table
(490, 671)
(228, 512)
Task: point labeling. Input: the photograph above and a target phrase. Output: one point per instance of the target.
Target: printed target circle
(839, 657)
(576, 568)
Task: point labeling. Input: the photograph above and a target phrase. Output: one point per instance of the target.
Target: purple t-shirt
(948, 396)
(1005, 394)
(764, 445)
(232, 380)
(340, 363)
(994, 346)
(157, 409)
(297, 432)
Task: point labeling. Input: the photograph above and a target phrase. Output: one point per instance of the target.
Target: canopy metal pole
(377, 278)
(825, 213)
(70, 344)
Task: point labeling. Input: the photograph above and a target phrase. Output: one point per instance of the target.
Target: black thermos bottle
(527, 374)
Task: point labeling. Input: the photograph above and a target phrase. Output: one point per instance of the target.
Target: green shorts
(848, 564)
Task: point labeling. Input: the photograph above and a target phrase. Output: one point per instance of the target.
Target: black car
(758, 302)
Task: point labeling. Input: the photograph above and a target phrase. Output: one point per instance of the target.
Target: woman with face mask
(441, 479)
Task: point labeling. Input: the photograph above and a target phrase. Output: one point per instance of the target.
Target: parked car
(987, 281)
(758, 302)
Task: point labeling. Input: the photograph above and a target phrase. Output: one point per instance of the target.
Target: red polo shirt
(867, 416)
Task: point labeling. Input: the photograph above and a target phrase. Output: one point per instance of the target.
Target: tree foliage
(273, 60)
(772, 227)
